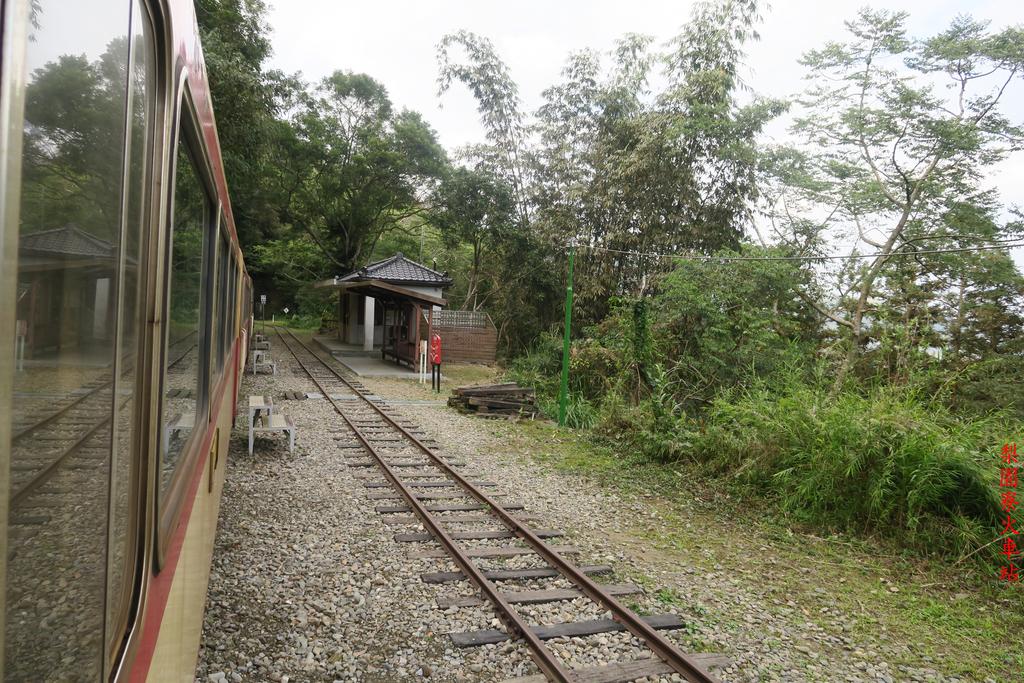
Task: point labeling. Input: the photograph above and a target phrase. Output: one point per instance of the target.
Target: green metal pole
(563, 394)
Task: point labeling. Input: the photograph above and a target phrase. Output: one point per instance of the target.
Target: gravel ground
(308, 583)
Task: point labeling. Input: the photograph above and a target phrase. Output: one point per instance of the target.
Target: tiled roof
(68, 241)
(400, 270)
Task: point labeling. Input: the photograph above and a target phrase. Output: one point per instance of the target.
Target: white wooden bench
(261, 362)
(273, 423)
(181, 422)
(259, 405)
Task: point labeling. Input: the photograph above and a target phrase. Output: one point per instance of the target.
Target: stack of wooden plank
(498, 400)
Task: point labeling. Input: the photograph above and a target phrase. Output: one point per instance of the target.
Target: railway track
(428, 485)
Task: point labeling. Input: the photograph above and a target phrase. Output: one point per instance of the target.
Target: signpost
(435, 363)
(263, 312)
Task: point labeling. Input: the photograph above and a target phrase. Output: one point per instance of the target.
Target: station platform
(361, 362)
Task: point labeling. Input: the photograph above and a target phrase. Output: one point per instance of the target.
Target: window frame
(236, 277)
(225, 276)
(169, 502)
(120, 627)
(233, 298)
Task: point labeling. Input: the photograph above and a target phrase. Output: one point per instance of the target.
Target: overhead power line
(992, 246)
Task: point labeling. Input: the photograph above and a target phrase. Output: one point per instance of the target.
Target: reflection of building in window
(66, 292)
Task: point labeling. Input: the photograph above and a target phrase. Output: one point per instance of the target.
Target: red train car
(126, 310)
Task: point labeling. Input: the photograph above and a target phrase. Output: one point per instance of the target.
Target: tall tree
(476, 208)
(246, 100)
(891, 150)
(360, 169)
(497, 96)
(625, 170)
(74, 110)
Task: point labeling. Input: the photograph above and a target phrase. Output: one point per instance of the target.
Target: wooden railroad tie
(536, 597)
(630, 671)
(512, 574)
(570, 629)
(508, 400)
(179, 393)
(489, 552)
(426, 484)
(375, 477)
(478, 535)
(419, 496)
(419, 474)
(452, 519)
(461, 507)
(418, 463)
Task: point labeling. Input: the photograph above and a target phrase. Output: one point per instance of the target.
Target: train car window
(233, 295)
(215, 309)
(65, 301)
(236, 276)
(124, 523)
(186, 365)
(224, 277)
(233, 302)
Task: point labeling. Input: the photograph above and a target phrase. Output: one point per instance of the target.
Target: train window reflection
(124, 482)
(184, 377)
(224, 275)
(69, 245)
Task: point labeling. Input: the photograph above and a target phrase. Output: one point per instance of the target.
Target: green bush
(993, 382)
(888, 461)
(541, 369)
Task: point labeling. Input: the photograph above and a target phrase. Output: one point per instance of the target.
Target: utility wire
(1008, 244)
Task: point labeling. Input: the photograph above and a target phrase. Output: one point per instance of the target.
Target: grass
(926, 612)
(887, 461)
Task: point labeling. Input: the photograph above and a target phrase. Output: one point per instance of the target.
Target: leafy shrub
(541, 369)
(579, 412)
(716, 327)
(988, 383)
(888, 461)
(656, 426)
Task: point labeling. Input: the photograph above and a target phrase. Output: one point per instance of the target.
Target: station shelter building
(388, 305)
(393, 304)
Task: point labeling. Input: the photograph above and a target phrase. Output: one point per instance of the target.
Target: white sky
(394, 42)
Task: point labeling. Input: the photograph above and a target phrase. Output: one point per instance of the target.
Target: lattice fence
(462, 319)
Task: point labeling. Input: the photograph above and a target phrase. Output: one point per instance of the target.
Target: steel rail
(542, 656)
(657, 643)
(25, 432)
(181, 357)
(43, 475)
(42, 422)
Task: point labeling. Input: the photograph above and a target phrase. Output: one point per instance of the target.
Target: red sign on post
(435, 349)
